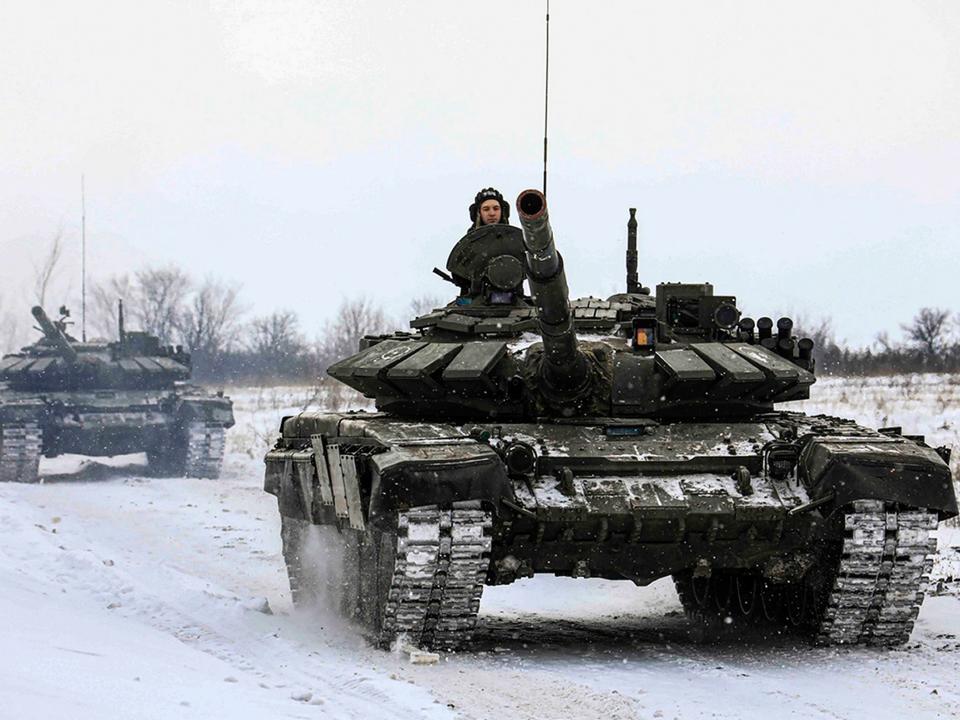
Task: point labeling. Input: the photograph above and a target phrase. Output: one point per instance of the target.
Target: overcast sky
(802, 156)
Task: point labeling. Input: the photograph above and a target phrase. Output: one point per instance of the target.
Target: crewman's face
(490, 212)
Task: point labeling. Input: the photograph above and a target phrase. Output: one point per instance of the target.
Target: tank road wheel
(771, 601)
(20, 448)
(421, 582)
(718, 602)
(194, 450)
(867, 592)
(728, 601)
(748, 593)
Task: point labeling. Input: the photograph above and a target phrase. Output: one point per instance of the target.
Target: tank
(106, 398)
(635, 437)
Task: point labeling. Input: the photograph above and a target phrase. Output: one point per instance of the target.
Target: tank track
(871, 597)
(204, 450)
(420, 584)
(881, 578)
(20, 447)
(439, 572)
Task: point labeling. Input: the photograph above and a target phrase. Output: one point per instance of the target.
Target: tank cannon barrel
(565, 372)
(54, 334)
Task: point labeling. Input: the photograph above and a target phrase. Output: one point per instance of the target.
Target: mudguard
(414, 475)
(327, 477)
(217, 410)
(892, 469)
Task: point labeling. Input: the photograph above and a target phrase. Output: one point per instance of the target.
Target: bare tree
(929, 330)
(276, 338)
(820, 330)
(424, 304)
(44, 272)
(103, 303)
(210, 323)
(161, 299)
(827, 352)
(355, 318)
(9, 327)
(883, 342)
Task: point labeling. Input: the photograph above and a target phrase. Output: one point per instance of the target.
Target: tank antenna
(83, 259)
(633, 283)
(546, 98)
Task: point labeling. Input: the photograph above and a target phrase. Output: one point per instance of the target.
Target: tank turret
(564, 369)
(54, 335)
(59, 362)
(684, 352)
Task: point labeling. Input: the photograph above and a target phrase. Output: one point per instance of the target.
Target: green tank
(634, 437)
(106, 398)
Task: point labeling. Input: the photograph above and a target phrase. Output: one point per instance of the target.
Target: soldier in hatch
(489, 208)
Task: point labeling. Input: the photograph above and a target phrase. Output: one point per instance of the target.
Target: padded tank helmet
(490, 194)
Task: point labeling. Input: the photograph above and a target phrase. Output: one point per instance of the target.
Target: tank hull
(769, 500)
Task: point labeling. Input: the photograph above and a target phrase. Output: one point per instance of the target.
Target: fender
(335, 480)
(205, 409)
(430, 474)
(859, 468)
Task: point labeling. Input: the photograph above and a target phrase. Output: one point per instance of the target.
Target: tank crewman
(489, 208)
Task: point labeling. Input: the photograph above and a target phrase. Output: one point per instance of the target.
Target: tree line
(930, 342)
(209, 318)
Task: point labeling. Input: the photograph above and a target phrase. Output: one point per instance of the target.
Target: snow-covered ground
(132, 597)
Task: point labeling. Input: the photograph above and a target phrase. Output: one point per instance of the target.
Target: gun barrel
(54, 334)
(565, 371)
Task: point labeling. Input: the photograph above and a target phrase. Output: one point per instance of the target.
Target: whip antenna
(546, 98)
(83, 260)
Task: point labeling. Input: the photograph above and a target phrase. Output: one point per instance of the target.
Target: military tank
(106, 398)
(633, 438)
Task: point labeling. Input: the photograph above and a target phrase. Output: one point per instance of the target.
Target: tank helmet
(489, 194)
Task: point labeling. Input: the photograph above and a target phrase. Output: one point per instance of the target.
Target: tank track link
(881, 578)
(20, 447)
(293, 535)
(204, 450)
(440, 568)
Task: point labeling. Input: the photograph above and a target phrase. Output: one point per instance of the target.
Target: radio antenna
(546, 98)
(83, 259)
(633, 283)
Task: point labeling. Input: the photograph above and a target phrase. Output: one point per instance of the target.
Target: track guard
(858, 468)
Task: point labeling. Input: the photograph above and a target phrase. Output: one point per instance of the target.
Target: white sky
(802, 156)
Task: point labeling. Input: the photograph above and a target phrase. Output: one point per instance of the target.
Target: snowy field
(133, 597)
